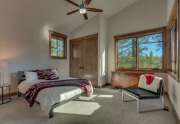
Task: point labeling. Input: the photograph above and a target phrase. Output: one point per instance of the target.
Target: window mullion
(137, 54)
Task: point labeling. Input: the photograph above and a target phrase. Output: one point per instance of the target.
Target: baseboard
(107, 84)
(174, 111)
(104, 85)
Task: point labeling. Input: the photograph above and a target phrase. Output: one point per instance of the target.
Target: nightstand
(5, 98)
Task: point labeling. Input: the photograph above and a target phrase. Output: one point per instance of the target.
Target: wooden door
(84, 58)
(76, 58)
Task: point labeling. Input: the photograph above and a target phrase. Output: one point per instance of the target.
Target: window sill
(54, 57)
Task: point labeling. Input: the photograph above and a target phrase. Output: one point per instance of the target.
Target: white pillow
(31, 76)
(55, 72)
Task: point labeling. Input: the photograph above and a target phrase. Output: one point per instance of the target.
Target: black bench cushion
(142, 93)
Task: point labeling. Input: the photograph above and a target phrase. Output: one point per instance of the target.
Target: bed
(62, 91)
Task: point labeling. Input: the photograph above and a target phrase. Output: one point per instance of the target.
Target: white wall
(144, 14)
(170, 4)
(90, 27)
(174, 93)
(103, 31)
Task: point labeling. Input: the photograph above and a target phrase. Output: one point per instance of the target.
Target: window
(57, 43)
(173, 38)
(126, 53)
(178, 36)
(141, 50)
(151, 51)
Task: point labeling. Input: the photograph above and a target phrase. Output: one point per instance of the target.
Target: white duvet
(50, 96)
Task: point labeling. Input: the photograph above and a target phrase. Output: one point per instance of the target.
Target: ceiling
(53, 12)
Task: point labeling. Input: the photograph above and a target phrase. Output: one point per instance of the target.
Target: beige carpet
(111, 111)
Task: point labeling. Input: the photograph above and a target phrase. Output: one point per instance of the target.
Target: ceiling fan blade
(75, 4)
(85, 16)
(94, 10)
(87, 2)
(74, 11)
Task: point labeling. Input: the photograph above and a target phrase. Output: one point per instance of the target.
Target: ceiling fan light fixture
(82, 10)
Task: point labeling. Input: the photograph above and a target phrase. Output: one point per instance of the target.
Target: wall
(174, 93)
(170, 4)
(90, 27)
(144, 14)
(103, 31)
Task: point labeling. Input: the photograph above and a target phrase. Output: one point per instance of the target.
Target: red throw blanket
(32, 93)
(149, 78)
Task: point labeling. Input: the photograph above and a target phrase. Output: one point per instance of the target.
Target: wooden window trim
(174, 20)
(141, 34)
(178, 9)
(53, 34)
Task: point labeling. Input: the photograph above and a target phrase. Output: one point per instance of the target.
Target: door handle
(81, 67)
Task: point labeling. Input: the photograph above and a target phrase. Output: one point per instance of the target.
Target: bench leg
(166, 108)
(138, 106)
(123, 96)
(128, 100)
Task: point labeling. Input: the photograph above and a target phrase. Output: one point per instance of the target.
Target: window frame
(174, 21)
(56, 35)
(174, 48)
(136, 35)
(178, 30)
(116, 45)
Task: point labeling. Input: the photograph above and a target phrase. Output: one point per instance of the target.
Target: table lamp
(2, 71)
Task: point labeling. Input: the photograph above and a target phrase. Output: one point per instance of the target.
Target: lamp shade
(3, 66)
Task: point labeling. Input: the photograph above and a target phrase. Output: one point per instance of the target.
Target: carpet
(111, 111)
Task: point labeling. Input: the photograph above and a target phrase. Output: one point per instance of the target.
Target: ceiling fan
(83, 8)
